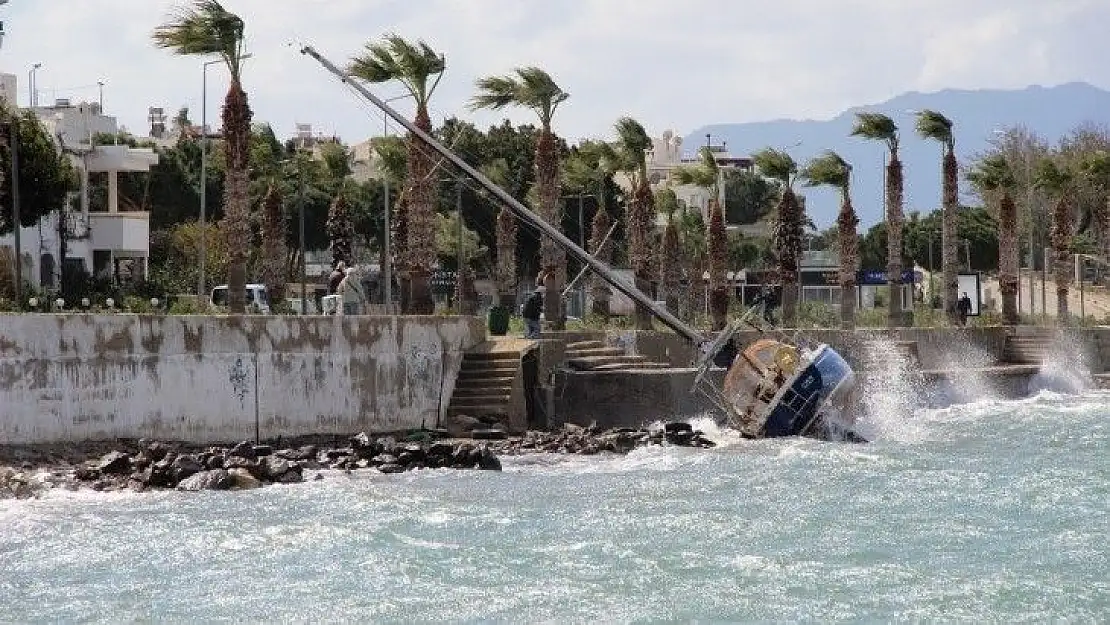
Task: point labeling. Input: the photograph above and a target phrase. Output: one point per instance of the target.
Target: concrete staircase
(1029, 347)
(597, 356)
(485, 384)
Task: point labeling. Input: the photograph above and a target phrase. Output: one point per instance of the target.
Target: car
(258, 298)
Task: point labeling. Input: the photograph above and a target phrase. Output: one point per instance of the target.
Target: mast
(688, 332)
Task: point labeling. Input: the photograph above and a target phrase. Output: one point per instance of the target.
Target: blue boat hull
(823, 386)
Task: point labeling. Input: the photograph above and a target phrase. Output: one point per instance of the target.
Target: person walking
(963, 308)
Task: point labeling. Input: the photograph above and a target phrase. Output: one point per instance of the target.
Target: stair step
(467, 402)
(490, 356)
(490, 365)
(594, 351)
(592, 362)
(491, 373)
(499, 411)
(473, 390)
(585, 345)
(631, 365)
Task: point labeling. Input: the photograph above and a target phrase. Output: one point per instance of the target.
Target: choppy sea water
(994, 511)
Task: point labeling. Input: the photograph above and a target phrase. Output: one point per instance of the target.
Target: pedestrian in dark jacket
(533, 306)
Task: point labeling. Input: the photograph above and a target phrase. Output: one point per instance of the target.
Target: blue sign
(878, 277)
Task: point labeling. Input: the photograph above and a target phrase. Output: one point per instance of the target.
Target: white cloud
(670, 64)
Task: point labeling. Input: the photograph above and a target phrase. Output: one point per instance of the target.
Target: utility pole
(304, 264)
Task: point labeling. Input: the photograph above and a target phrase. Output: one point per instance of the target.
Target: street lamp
(204, 168)
(387, 270)
(100, 88)
(34, 97)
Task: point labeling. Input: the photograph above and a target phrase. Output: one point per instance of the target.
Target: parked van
(258, 298)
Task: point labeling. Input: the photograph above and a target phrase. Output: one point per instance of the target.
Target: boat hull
(819, 396)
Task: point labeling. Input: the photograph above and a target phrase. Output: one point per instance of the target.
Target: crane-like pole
(522, 212)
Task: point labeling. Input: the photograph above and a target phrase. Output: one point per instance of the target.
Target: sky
(671, 65)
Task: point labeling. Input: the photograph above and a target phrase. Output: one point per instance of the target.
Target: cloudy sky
(670, 64)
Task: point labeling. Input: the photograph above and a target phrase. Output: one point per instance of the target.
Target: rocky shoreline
(146, 465)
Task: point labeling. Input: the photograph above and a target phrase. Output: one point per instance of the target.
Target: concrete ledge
(629, 398)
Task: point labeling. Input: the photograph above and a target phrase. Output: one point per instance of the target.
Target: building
(111, 242)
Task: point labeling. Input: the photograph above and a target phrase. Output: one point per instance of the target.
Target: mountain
(1051, 112)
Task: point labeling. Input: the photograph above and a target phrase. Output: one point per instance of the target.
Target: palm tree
(993, 176)
(632, 145)
(205, 28)
(419, 69)
(879, 127)
(340, 231)
(832, 170)
(533, 88)
(1096, 169)
(1057, 182)
(505, 234)
(392, 165)
(789, 225)
(273, 244)
(588, 169)
(933, 125)
(706, 174)
(671, 260)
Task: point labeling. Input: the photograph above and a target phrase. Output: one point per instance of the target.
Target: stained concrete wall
(208, 379)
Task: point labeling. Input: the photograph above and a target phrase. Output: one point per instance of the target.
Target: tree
(1057, 182)
(706, 174)
(879, 127)
(749, 197)
(832, 170)
(789, 227)
(206, 28)
(935, 126)
(534, 89)
(1095, 168)
(45, 176)
(273, 272)
(631, 148)
(993, 177)
(340, 231)
(414, 65)
(587, 172)
(602, 250)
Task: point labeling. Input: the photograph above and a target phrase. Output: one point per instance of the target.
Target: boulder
(460, 425)
(391, 467)
(273, 468)
(307, 452)
(262, 450)
(215, 479)
(114, 463)
(244, 450)
(439, 449)
(184, 466)
(155, 450)
(86, 473)
(361, 441)
(243, 479)
(676, 427)
(215, 462)
(381, 459)
(487, 461)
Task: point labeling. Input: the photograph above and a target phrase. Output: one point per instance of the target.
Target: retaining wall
(204, 379)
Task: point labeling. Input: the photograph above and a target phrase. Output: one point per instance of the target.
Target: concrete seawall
(66, 378)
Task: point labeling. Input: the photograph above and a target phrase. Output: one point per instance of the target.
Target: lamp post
(204, 169)
(100, 93)
(387, 270)
(34, 98)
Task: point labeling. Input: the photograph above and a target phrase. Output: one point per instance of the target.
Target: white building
(108, 243)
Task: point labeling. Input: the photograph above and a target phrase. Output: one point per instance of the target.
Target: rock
(678, 426)
(439, 449)
(307, 452)
(239, 462)
(618, 442)
(157, 475)
(391, 467)
(273, 468)
(243, 450)
(381, 459)
(361, 441)
(570, 428)
(682, 438)
(461, 457)
(215, 479)
(488, 434)
(215, 462)
(86, 473)
(243, 479)
(262, 450)
(292, 476)
(460, 425)
(155, 450)
(487, 461)
(184, 466)
(386, 445)
(114, 463)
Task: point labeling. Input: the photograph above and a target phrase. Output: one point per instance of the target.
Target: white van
(258, 298)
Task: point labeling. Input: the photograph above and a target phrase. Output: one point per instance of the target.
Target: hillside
(1049, 111)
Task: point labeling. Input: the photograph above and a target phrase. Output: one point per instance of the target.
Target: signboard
(820, 277)
(971, 285)
(878, 277)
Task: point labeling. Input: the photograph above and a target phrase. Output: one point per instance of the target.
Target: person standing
(336, 277)
(963, 308)
(533, 306)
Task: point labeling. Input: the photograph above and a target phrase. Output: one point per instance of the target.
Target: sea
(987, 511)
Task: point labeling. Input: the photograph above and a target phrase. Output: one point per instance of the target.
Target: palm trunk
(948, 234)
(1062, 265)
(340, 231)
(399, 249)
(1104, 227)
(894, 240)
(848, 241)
(237, 126)
(717, 243)
(420, 219)
(788, 243)
(273, 245)
(552, 257)
(603, 252)
(670, 266)
(1008, 258)
(506, 259)
(639, 245)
